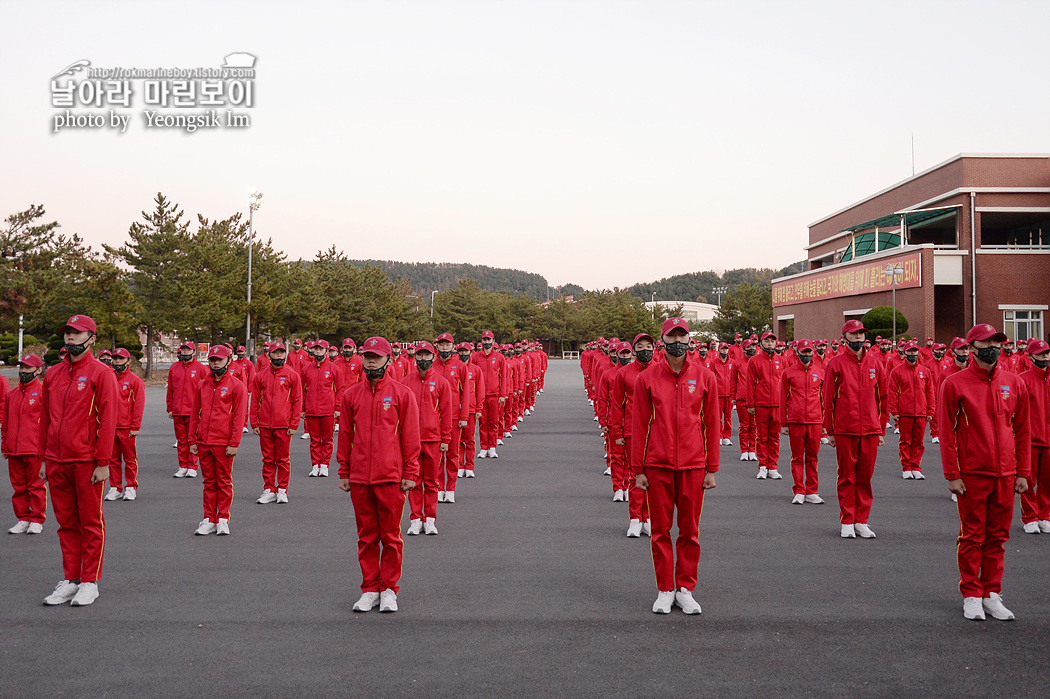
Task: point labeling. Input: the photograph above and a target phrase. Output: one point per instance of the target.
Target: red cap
(624, 347)
(672, 323)
(913, 345)
(376, 345)
(444, 336)
(105, 353)
(737, 335)
(853, 326)
(80, 324)
(31, 360)
(803, 345)
(274, 346)
(425, 347)
(1038, 347)
(769, 333)
(984, 331)
(929, 339)
(747, 343)
(121, 352)
(348, 342)
(188, 345)
(219, 352)
(488, 335)
(643, 336)
(939, 345)
(240, 348)
(753, 338)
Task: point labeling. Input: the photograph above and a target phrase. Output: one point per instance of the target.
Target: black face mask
(989, 355)
(911, 358)
(723, 355)
(319, 358)
(805, 358)
(26, 376)
(107, 361)
(884, 349)
(277, 362)
(445, 355)
(750, 351)
(77, 350)
(241, 355)
(396, 353)
(821, 350)
(778, 350)
(120, 368)
(938, 355)
(424, 364)
(676, 349)
(768, 350)
(624, 361)
(376, 374)
(644, 356)
(185, 357)
(703, 353)
(348, 353)
(1041, 363)
(855, 345)
(960, 358)
(219, 373)
(464, 357)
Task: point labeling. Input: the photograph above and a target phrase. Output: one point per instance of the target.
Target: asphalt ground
(531, 588)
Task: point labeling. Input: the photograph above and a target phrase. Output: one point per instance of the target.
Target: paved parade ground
(530, 588)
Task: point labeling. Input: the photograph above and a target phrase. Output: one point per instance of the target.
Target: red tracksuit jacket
(621, 399)
(494, 369)
(182, 386)
(983, 424)
(477, 387)
(737, 382)
(245, 370)
(855, 400)
(762, 380)
(81, 407)
(132, 392)
(434, 397)
(1038, 384)
(455, 373)
(601, 404)
(22, 414)
(378, 433)
(676, 419)
(277, 399)
(802, 389)
(912, 392)
(322, 384)
(722, 371)
(219, 411)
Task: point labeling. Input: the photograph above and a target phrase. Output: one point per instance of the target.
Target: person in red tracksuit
(494, 370)
(21, 412)
(621, 397)
(674, 456)
(298, 356)
(762, 384)
(216, 426)
(79, 428)
(378, 459)
(1035, 502)
(986, 457)
(449, 367)
(477, 401)
(437, 405)
(912, 402)
(611, 426)
(245, 369)
(748, 429)
(802, 415)
(183, 378)
(936, 367)
(322, 384)
(276, 407)
(721, 365)
(736, 350)
(855, 414)
(350, 363)
(124, 480)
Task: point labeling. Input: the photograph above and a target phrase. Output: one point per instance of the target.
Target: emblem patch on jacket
(1005, 391)
(81, 383)
(692, 385)
(387, 402)
(871, 373)
(224, 390)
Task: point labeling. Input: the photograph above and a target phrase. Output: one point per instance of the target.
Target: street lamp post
(652, 304)
(432, 293)
(720, 290)
(254, 202)
(893, 271)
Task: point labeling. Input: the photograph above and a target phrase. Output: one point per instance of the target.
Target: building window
(1023, 325)
(1000, 229)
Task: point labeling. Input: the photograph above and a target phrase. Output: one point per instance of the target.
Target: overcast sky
(601, 143)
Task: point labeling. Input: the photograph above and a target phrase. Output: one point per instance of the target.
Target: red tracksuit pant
(320, 428)
(450, 461)
(637, 500)
(768, 443)
(530, 395)
(913, 432)
(985, 512)
(182, 436)
(1035, 502)
(30, 496)
(377, 510)
(490, 422)
(748, 431)
(856, 460)
(276, 460)
(124, 449)
(81, 526)
(617, 461)
(217, 474)
(670, 490)
(727, 416)
(933, 426)
(805, 443)
(422, 500)
(466, 451)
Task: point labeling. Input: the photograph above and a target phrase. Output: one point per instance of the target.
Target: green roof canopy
(911, 218)
(865, 244)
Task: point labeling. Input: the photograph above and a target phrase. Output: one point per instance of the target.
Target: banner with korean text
(850, 280)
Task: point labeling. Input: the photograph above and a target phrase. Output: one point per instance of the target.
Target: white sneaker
(499, 442)
(88, 593)
(493, 454)
(848, 532)
(282, 496)
(441, 496)
(323, 471)
(306, 435)
(824, 440)
(181, 473)
(336, 428)
(430, 526)
(64, 591)
(936, 440)
(955, 498)
(313, 474)
(647, 528)
(906, 475)
(223, 527)
(513, 428)
(973, 609)
(864, 531)
(267, 497)
(799, 499)
(684, 599)
(729, 442)
(917, 475)
(618, 496)
(744, 456)
(367, 602)
(763, 473)
(752, 455)
(191, 473)
(175, 445)
(775, 474)
(113, 494)
(245, 430)
(528, 411)
(388, 601)
(607, 471)
(634, 529)
(450, 496)
(35, 528)
(521, 419)
(1044, 526)
(468, 473)
(507, 434)
(663, 602)
(596, 418)
(993, 604)
(130, 494)
(206, 527)
(896, 430)
(815, 499)
(23, 526)
(1029, 528)
(415, 527)
(462, 473)
(483, 453)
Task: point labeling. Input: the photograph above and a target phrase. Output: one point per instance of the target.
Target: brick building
(970, 239)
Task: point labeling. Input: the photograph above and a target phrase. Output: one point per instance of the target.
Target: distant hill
(699, 286)
(441, 276)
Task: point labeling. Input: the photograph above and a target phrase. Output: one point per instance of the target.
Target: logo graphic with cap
(373, 342)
